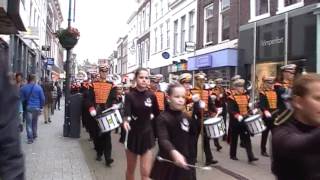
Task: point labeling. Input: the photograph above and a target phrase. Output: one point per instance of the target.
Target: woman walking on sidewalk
(140, 108)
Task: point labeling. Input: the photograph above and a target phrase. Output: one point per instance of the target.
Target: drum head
(212, 120)
(253, 117)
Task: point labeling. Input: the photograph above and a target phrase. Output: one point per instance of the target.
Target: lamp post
(66, 129)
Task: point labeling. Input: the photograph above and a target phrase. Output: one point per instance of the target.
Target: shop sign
(204, 61)
(190, 46)
(272, 42)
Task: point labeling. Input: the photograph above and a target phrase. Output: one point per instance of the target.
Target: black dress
(139, 106)
(295, 151)
(176, 131)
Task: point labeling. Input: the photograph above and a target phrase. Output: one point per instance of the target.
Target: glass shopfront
(274, 47)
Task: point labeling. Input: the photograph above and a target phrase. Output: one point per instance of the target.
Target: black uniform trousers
(264, 136)
(103, 145)
(239, 129)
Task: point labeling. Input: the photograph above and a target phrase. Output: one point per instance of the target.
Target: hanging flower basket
(68, 38)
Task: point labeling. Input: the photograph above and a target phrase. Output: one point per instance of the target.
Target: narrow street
(54, 157)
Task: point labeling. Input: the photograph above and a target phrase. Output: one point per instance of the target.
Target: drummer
(199, 106)
(140, 105)
(238, 103)
(268, 105)
(102, 142)
(175, 132)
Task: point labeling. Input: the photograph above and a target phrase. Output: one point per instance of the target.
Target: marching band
(211, 110)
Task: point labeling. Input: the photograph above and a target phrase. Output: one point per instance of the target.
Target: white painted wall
(170, 14)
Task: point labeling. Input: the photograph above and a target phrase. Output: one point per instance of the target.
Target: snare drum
(255, 124)
(109, 120)
(215, 127)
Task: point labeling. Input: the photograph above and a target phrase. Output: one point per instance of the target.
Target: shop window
(208, 24)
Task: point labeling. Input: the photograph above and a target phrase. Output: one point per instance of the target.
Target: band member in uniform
(268, 106)
(296, 142)
(140, 107)
(200, 112)
(283, 90)
(175, 133)
(238, 103)
(218, 99)
(102, 141)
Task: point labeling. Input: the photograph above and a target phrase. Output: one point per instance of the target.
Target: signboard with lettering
(190, 46)
(102, 91)
(50, 61)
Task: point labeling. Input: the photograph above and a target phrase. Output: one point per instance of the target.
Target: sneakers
(30, 141)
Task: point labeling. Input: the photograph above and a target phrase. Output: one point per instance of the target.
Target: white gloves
(195, 97)
(202, 104)
(219, 110)
(255, 111)
(221, 95)
(250, 105)
(267, 114)
(213, 97)
(151, 116)
(92, 111)
(240, 118)
(116, 106)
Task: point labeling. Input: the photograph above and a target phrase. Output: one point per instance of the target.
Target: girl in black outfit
(140, 106)
(177, 134)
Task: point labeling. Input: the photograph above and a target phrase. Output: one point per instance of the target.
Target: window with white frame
(161, 37)
(208, 23)
(191, 26)
(261, 7)
(144, 20)
(225, 4)
(168, 33)
(175, 37)
(142, 52)
(148, 16)
(155, 40)
(291, 2)
(161, 4)
(183, 34)
(147, 49)
(225, 27)
(156, 10)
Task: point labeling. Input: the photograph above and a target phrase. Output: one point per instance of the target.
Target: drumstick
(189, 165)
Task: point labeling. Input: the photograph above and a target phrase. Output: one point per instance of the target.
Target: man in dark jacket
(11, 157)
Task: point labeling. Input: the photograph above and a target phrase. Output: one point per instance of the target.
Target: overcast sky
(101, 23)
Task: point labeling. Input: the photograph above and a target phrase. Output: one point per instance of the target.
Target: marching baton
(189, 165)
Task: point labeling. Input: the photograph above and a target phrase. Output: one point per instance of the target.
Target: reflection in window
(208, 24)
(291, 2)
(225, 4)
(262, 7)
(225, 27)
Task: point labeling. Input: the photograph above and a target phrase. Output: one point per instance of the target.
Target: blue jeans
(32, 123)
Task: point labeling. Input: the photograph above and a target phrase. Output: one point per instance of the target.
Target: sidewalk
(52, 156)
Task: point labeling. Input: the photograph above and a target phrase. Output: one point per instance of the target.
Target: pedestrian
(54, 93)
(59, 95)
(33, 96)
(11, 156)
(140, 108)
(296, 142)
(175, 131)
(47, 88)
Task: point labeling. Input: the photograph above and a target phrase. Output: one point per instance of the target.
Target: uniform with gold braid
(238, 103)
(201, 97)
(268, 106)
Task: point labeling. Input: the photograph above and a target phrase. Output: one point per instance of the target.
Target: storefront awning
(225, 57)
